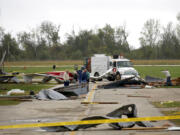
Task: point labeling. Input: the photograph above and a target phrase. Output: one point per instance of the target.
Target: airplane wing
(47, 77)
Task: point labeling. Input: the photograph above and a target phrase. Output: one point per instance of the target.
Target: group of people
(82, 76)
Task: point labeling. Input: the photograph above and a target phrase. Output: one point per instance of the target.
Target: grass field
(44, 63)
(4, 88)
(154, 71)
(9, 102)
(36, 69)
(156, 62)
(80, 62)
(168, 104)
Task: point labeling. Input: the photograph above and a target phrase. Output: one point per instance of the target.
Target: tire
(118, 76)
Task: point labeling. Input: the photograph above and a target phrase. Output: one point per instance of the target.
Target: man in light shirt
(66, 78)
(168, 77)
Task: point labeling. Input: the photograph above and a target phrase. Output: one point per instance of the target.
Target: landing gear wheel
(118, 76)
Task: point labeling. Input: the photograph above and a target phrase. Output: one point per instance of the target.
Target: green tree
(122, 45)
(10, 45)
(50, 33)
(31, 43)
(169, 43)
(149, 39)
(107, 36)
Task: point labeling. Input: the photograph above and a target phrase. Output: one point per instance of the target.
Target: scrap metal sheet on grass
(73, 90)
(50, 95)
(153, 79)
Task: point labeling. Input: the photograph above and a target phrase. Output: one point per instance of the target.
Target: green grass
(156, 62)
(168, 104)
(9, 102)
(155, 71)
(44, 63)
(176, 122)
(4, 88)
(80, 62)
(169, 86)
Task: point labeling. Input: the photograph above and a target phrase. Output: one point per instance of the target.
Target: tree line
(43, 42)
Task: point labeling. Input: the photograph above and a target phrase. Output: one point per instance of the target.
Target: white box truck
(99, 64)
(116, 68)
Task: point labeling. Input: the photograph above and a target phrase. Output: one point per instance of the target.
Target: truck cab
(121, 69)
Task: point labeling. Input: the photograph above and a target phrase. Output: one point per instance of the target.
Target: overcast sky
(20, 15)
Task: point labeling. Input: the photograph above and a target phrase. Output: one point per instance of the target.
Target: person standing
(168, 77)
(88, 76)
(85, 75)
(66, 78)
(85, 78)
(79, 74)
(54, 66)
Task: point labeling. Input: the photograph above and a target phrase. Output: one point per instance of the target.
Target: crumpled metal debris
(50, 95)
(120, 83)
(73, 90)
(153, 79)
(128, 110)
(9, 78)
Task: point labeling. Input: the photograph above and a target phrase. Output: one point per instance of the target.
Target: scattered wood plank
(138, 96)
(145, 128)
(99, 103)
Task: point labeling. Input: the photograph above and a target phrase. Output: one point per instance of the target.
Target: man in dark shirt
(85, 78)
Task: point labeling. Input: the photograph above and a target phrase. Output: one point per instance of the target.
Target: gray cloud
(18, 15)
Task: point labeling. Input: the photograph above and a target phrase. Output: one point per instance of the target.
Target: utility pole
(2, 61)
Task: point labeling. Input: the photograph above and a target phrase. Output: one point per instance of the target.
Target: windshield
(124, 64)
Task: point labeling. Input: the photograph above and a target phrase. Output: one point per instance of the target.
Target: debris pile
(149, 82)
(128, 82)
(62, 93)
(128, 110)
(15, 91)
(176, 81)
(73, 90)
(154, 81)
